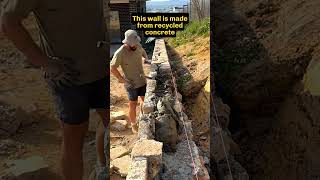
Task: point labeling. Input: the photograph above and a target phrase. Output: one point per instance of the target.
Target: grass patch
(192, 30)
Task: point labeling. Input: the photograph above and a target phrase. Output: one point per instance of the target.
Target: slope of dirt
(191, 67)
(265, 49)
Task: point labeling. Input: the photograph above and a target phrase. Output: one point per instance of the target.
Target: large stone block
(138, 169)
(151, 85)
(153, 151)
(31, 168)
(146, 127)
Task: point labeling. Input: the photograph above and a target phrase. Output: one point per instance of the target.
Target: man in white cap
(129, 57)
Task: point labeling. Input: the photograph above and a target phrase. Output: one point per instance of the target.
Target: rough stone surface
(118, 152)
(94, 120)
(25, 169)
(138, 169)
(118, 115)
(179, 165)
(9, 121)
(147, 148)
(146, 128)
(7, 146)
(166, 132)
(121, 165)
(119, 125)
(153, 151)
(151, 85)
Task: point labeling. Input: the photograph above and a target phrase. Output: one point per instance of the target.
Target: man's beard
(133, 48)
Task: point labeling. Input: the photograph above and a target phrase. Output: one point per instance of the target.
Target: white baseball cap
(131, 38)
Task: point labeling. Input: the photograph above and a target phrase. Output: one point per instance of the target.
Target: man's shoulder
(119, 51)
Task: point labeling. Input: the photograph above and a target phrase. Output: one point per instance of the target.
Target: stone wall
(163, 127)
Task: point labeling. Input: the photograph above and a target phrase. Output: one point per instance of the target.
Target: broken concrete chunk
(26, 169)
(9, 121)
(138, 169)
(153, 151)
(146, 128)
(118, 115)
(121, 165)
(166, 132)
(118, 152)
(119, 125)
(151, 85)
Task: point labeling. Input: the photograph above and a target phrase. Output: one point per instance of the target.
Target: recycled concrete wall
(152, 154)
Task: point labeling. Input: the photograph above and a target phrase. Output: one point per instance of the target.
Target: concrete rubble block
(153, 68)
(118, 152)
(153, 151)
(121, 165)
(165, 69)
(178, 107)
(148, 105)
(9, 120)
(26, 169)
(153, 75)
(138, 169)
(185, 128)
(151, 85)
(146, 128)
(119, 125)
(118, 115)
(166, 132)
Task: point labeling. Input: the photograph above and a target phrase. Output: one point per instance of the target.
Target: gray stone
(138, 169)
(10, 120)
(118, 115)
(153, 151)
(146, 128)
(119, 125)
(151, 85)
(166, 131)
(26, 169)
(118, 152)
(121, 165)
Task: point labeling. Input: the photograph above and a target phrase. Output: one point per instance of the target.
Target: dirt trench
(265, 51)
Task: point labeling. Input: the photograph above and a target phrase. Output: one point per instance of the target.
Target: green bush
(192, 30)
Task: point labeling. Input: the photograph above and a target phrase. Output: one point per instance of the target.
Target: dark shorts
(134, 93)
(74, 103)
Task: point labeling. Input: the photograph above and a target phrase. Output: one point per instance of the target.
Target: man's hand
(59, 73)
(121, 80)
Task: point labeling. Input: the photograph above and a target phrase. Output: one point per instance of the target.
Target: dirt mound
(266, 47)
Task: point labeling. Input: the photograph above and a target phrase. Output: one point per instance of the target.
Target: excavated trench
(267, 49)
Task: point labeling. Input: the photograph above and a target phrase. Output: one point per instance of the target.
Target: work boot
(134, 127)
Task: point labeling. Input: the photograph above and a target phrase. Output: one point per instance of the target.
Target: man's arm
(144, 54)
(117, 74)
(12, 27)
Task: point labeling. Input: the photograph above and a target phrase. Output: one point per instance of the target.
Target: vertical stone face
(138, 169)
(152, 150)
(146, 128)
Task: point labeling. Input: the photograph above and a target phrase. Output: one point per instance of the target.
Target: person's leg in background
(133, 100)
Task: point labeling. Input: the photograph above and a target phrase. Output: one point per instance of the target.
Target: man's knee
(133, 103)
(73, 137)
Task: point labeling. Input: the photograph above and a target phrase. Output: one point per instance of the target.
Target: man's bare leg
(72, 143)
(100, 136)
(141, 104)
(132, 111)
